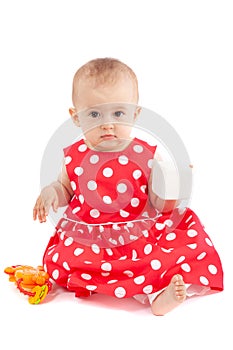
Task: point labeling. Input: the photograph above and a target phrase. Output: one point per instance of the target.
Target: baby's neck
(104, 146)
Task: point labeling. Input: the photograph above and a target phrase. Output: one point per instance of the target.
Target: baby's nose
(107, 126)
(108, 121)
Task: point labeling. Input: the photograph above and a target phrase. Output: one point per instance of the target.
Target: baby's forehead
(107, 79)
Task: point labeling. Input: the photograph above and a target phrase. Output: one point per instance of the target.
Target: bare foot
(171, 297)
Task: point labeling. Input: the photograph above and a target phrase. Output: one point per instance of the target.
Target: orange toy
(31, 281)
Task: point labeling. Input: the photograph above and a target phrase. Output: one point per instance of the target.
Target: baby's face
(107, 113)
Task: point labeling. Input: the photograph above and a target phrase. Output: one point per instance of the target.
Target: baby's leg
(171, 297)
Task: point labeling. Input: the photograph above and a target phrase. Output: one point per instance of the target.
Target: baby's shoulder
(77, 146)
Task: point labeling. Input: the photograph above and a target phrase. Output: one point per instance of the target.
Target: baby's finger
(41, 215)
(34, 213)
(46, 208)
(55, 205)
(36, 208)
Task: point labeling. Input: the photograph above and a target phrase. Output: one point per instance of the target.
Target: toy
(31, 281)
(171, 181)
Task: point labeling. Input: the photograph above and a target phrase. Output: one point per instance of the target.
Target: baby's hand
(46, 199)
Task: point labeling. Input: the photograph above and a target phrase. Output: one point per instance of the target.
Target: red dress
(110, 239)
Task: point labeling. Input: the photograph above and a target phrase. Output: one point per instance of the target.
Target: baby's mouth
(108, 137)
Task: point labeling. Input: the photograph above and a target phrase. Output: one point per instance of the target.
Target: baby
(117, 237)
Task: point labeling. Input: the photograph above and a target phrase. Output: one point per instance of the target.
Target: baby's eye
(118, 114)
(94, 114)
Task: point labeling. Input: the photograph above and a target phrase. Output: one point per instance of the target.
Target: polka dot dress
(112, 241)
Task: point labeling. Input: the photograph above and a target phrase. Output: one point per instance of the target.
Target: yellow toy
(31, 281)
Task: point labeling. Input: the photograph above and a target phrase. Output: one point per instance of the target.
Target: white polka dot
(170, 236)
(86, 276)
(87, 262)
(120, 292)
(168, 222)
(162, 274)
(143, 188)
(62, 235)
(95, 248)
(135, 202)
(107, 172)
(105, 274)
(107, 199)
(181, 258)
(68, 241)
(113, 241)
(186, 267)
(76, 210)
(73, 185)
(66, 266)
(148, 249)
(51, 249)
(121, 240)
(204, 280)
(101, 228)
(148, 289)
(78, 170)
(81, 198)
(78, 251)
(123, 160)
(94, 213)
(139, 279)
(137, 174)
(112, 281)
(55, 257)
(121, 188)
(208, 241)
(192, 246)
(109, 251)
(124, 213)
(166, 250)
(192, 233)
(155, 264)
(90, 228)
(92, 185)
(68, 159)
(55, 274)
(150, 163)
(133, 237)
(124, 257)
(82, 148)
(94, 159)
(64, 223)
(128, 273)
(159, 226)
(201, 256)
(138, 148)
(91, 287)
(134, 255)
(145, 233)
(212, 269)
(116, 227)
(106, 266)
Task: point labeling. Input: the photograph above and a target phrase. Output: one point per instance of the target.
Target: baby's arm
(56, 195)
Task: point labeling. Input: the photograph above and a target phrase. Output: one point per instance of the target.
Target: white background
(182, 54)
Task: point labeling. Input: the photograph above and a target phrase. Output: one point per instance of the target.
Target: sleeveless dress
(110, 239)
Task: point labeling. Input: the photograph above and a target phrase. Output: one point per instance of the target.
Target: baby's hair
(102, 71)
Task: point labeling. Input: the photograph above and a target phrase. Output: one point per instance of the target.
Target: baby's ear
(137, 112)
(74, 116)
